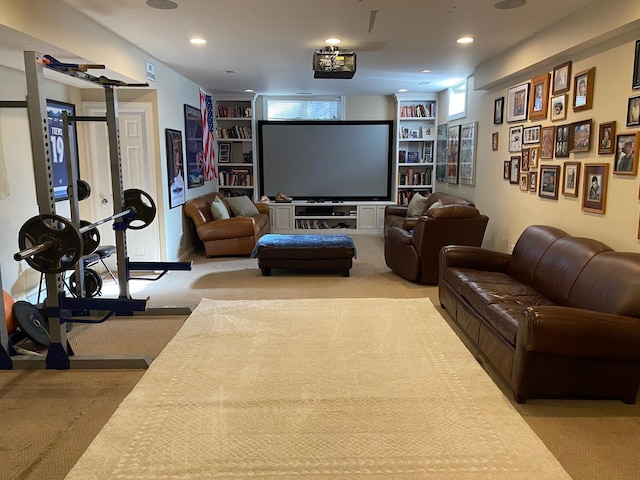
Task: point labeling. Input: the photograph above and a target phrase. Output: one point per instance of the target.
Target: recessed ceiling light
(197, 41)
(425, 70)
(248, 90)
(162, 4)
(332, 41)
(403, 90)
(509, 4)
(465, 40)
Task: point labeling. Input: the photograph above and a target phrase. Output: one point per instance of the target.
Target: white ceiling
(269, 44)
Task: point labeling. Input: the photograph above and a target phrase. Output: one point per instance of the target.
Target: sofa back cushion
(609, 283)
(529, 249)
(562, 264)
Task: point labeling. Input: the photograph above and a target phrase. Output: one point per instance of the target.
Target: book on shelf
(402, 156)
(412, 157)
(231, 111)
(421, 110)
(235, 132)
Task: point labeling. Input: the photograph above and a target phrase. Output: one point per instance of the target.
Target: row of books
(235, 178)
(238, 193)
(421, 110)
(237, 131)
(404, 196)
(230, 111)
(414, 178)
(312, 224)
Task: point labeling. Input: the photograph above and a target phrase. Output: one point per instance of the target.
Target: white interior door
(138, 171)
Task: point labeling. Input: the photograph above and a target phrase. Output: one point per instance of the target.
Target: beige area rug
(316, 388)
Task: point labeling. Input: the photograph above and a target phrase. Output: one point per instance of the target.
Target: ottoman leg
(266, 272)
(345, 272)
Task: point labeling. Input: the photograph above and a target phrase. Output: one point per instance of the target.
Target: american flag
(208, 139)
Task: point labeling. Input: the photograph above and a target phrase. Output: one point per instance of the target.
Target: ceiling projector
(333, 63)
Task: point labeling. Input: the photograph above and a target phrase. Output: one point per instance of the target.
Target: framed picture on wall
(580, 136)
(635, 84)
(224, 152)
(594, 191)
(626, 158)
(563, 134)
(514, 170)
(539, 98)
(506, 170)
(606, 137)
(441, 153)
(583, 84)
(524, 182)
(498, 110)
(547, 139)
(559, 107)
(561, 76)
(534, 155)
(193, 140)
(633, 112)
(549, 180)
(515, 138)
(453, 153)
(570, 179)
(517, 102)
(59, 161)
(531, 135)
(467, 162)
(175, 167)
(494, 141)
(533, 181)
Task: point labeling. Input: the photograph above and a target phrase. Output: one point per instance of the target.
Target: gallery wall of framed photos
(550, 134)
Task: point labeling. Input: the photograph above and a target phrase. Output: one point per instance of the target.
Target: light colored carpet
(316, 388)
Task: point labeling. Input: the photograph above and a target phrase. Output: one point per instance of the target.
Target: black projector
(333, 64)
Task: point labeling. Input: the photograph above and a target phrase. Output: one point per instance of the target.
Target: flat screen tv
(326, 160)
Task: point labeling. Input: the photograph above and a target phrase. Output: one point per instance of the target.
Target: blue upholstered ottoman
(305, 252)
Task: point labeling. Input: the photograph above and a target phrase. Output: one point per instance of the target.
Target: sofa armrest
(397, 210)
(475, 258)
(576, 332)
(233, 227)
(262, 207)
(400, 236)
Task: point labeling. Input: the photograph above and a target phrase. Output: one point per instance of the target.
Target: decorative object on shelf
(517, 102)
(562, 141)
(559, 107)
(282, 198)
(547, 141)
(633, 112)
(55, 111)
(175, 167)
(515, 138)
(626, 159)
(441, 153)
(570, 179)
(561, 76)
(549, 181)
(635, 83)
(494, 141)
(583, 84)
(453, 153)
(193, 138)
(539, 101)
(498, 110)
(580, 136)
(531, 135)
(606, 136)
(533, 181)
(468, 153)
(514, 169)
(224, 152)
(594, 192)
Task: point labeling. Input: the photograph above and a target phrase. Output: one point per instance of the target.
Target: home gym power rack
(129, 206)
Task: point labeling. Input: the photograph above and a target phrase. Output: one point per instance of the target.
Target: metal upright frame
(60, 309)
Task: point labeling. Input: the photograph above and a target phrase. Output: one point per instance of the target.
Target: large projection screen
(349, 160)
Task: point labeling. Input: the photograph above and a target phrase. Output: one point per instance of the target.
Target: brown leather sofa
(416, 256)
(396, 215)
(559, 317)
(231, 236)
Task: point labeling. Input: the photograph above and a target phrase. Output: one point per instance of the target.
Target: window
(315, 108)
(458, 100)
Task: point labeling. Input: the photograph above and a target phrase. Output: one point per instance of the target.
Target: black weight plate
(84, 190)
(32, 322)
(66, 243)
(92, 283)
(143, 206)
(91, 238)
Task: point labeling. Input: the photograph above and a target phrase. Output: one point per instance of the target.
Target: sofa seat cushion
(496, 296)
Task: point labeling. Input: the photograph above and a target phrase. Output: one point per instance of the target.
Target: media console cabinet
(327, 217)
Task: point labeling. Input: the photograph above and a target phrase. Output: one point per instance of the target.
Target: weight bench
(304, 252)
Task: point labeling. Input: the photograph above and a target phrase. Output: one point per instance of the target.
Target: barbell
(50, 243)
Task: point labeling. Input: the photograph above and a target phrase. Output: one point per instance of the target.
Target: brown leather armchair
(416, 257)
(231, 236)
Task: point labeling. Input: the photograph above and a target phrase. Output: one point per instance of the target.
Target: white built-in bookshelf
(235, 157)
(415, 145)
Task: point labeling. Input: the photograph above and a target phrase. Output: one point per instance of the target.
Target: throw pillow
(417, 205)
(242, 206)
(219, 209)
(435, 205)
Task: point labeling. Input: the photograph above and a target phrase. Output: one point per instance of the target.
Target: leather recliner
(415, 257)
